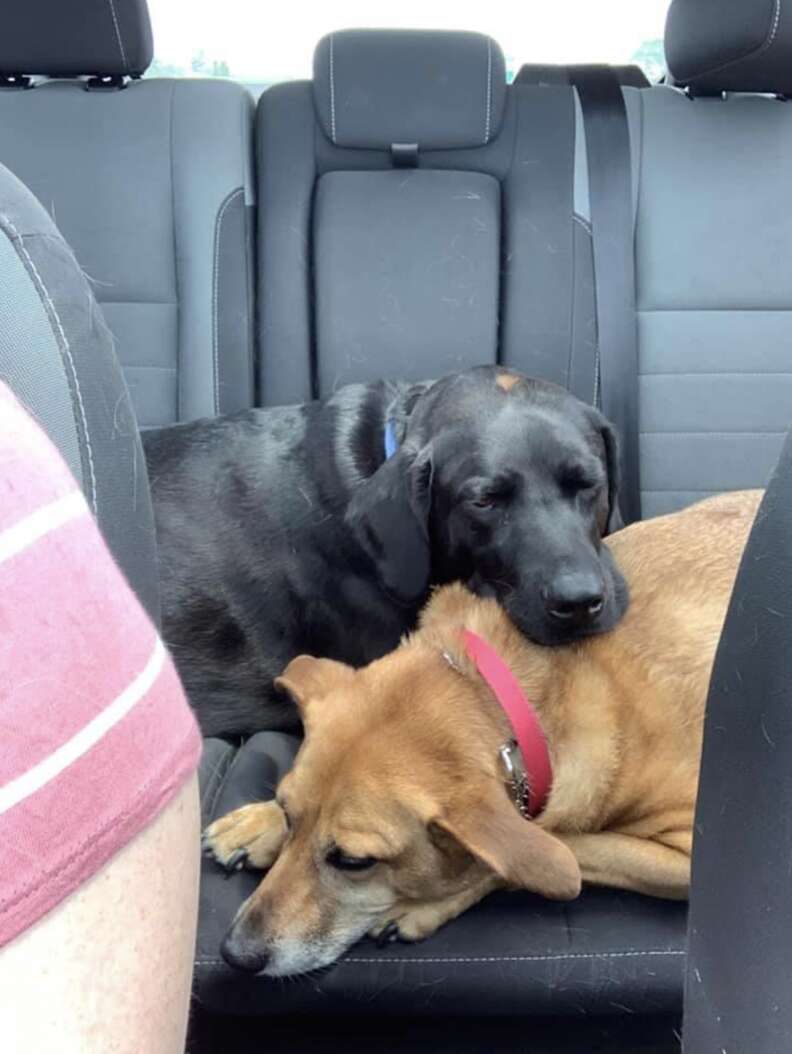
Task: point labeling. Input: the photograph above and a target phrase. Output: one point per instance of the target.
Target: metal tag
(514, 766)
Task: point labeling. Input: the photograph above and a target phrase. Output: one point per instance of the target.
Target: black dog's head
(507, 484)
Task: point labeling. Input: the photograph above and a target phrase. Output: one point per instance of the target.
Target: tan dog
(397, 815)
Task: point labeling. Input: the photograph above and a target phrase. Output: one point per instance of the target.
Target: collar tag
(513, 766)
(526, 757)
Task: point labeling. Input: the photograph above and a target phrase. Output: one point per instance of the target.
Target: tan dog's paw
(248, 837)
(411, 924)
(416, 922)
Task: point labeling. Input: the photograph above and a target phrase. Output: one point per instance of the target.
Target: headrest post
(15, 81)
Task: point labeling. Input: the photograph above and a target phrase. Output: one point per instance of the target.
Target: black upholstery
(740, 939)
(514, 954)
(512, 261)
(70, 37)
(730, 45)
(56, 354)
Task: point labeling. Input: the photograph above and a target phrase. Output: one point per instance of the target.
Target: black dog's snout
(242, 954)
(576, 597)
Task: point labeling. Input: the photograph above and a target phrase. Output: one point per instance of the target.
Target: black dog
(292, 530)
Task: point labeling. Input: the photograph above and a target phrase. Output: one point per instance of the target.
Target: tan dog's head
(394, 802)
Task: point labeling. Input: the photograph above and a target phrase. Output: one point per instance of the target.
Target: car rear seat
(713, 247)
(151, 183)
(713, 252)
(483, 253)
(370, 266)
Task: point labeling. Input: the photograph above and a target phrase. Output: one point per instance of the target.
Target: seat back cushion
(481, 253)
(406, 263)
(56, 354)
(713, 258)
(152, 187)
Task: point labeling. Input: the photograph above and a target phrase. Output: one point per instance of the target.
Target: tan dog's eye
(338, 859)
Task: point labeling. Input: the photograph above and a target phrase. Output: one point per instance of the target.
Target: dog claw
(236, 861)
(388, 936)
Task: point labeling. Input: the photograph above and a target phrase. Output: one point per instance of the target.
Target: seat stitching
(332, 91)
(488, 120)
(219, 776)
(584, 956)
(44, 292)
(118, 35)
(768, 42)
(215, 293)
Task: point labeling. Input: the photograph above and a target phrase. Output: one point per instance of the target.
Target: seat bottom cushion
(513, 954)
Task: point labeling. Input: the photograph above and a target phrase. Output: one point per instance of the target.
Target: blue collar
(391, 442)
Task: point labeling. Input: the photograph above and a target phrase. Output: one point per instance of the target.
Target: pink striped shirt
(95, 733)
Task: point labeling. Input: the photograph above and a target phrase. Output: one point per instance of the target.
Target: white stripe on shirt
(38, 524)
(89, 735)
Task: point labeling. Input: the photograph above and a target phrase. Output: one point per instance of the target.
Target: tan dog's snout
(306, 912)
(302, 917)
(243, 946)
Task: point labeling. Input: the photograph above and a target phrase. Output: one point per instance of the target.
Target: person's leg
(108, 971)
(99, 819)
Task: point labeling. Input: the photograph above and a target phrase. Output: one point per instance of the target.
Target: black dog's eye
(339, 860)
(486, 501)
(574, 480)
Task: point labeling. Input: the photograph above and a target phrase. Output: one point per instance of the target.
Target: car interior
(412, 209)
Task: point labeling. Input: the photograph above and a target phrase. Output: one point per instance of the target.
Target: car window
(261, 44)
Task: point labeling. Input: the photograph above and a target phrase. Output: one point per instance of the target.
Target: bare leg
(109, 970)
(626, 862)
(251, 836)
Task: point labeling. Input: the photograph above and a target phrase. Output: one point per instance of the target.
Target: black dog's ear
(389, 515)
(610, 517)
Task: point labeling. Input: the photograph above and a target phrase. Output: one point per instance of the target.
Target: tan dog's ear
(305, 678)
(520, 852)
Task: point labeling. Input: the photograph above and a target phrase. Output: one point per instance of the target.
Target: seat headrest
(376, 88)
(67, 38)
(713, 46)
(534, 73)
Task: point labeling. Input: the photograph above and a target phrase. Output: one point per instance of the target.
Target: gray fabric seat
(56, 355)
(418, 217)
(713, 253)
(150, 182)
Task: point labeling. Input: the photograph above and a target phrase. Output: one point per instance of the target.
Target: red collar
(523, 718)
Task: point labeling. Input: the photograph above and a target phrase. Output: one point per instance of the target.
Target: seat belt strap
(611, 202)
